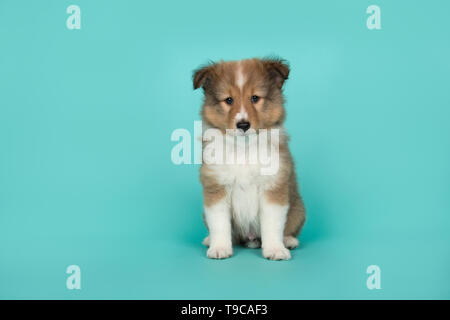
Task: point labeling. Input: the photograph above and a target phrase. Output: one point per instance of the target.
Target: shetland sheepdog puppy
(243, 204)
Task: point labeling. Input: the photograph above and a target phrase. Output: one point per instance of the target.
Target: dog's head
(243, 94)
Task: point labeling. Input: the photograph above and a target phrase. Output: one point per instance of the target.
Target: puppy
(242, 204)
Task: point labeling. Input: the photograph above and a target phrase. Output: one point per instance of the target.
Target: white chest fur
(245, 196)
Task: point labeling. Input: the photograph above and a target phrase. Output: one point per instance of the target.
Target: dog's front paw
(219, 252)
(276, 253)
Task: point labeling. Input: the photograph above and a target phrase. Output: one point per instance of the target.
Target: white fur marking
(240, 77)
(241, 115)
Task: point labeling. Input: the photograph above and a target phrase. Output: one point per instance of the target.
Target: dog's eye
(229, 101)
(255, 99)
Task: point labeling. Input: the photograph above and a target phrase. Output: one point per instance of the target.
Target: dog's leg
(218, 219)
(273, 219)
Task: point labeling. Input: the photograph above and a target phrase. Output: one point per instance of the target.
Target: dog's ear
(202, 75)
(277, 69)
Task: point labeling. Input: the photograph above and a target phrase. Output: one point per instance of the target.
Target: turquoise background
(86, 176)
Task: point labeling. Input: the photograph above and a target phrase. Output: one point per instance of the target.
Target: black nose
(244, 125)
